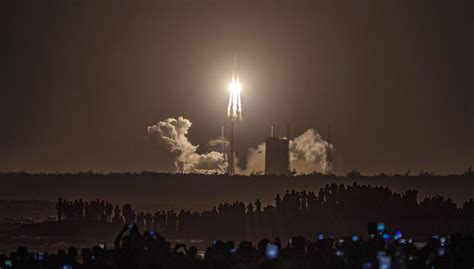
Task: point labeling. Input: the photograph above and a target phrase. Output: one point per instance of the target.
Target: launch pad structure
(277, 153)
(231, 157)
(277, 149)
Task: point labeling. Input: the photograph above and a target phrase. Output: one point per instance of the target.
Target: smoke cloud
(308, 154)
(255, 160)
(308, 151)
(173, 133)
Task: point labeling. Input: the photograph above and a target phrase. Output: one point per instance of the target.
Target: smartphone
(271, 251)
(320, 236)
(101, 245)
(355, 238)
(380, 227)
(130, 226)
(8, 264)
(442, 241)
(66, 266)
(339, 253)
(385, 261)
(367, 265)
(441, 252)
(233, 250)
(397, 235)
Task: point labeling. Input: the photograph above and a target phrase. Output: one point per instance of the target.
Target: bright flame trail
(234, 109)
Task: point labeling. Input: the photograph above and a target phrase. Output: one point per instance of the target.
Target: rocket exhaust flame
(234, 109)
(234, 112)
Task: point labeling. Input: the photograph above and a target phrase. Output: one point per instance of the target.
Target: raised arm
(119, 236)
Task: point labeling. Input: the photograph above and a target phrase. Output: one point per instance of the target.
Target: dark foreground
(150, 250)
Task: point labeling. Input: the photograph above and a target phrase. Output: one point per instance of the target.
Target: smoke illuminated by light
(234, 109)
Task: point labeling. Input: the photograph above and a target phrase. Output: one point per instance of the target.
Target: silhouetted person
(258, 206)
(278, 202)
(127, 212)
(87, 212)
(141, 220)
(117, 218)
(80, 210)
(60, 209)
(250, 208)
(148, 219)
(108, 211)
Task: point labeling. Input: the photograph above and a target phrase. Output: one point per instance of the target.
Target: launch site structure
(328, 153)
(277, 154)
(231, 161)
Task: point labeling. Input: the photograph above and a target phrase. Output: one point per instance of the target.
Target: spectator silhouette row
(334, 207)
(77, 210)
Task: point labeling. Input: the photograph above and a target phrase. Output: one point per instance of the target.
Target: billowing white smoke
(173, 133)
(219, 143)
(308, 154)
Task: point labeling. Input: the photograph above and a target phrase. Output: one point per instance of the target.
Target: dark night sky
(81, 80)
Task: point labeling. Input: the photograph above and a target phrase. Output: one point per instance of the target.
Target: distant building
(277, 156)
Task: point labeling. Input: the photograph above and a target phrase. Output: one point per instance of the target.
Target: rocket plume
(234, 108)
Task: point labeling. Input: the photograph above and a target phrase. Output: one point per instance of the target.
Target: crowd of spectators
(334, 207)
(133, 249)
(97, 211)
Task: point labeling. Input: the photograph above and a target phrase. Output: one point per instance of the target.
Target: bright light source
(234, 109)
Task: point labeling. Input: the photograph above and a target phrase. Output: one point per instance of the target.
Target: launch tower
(277, 157)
